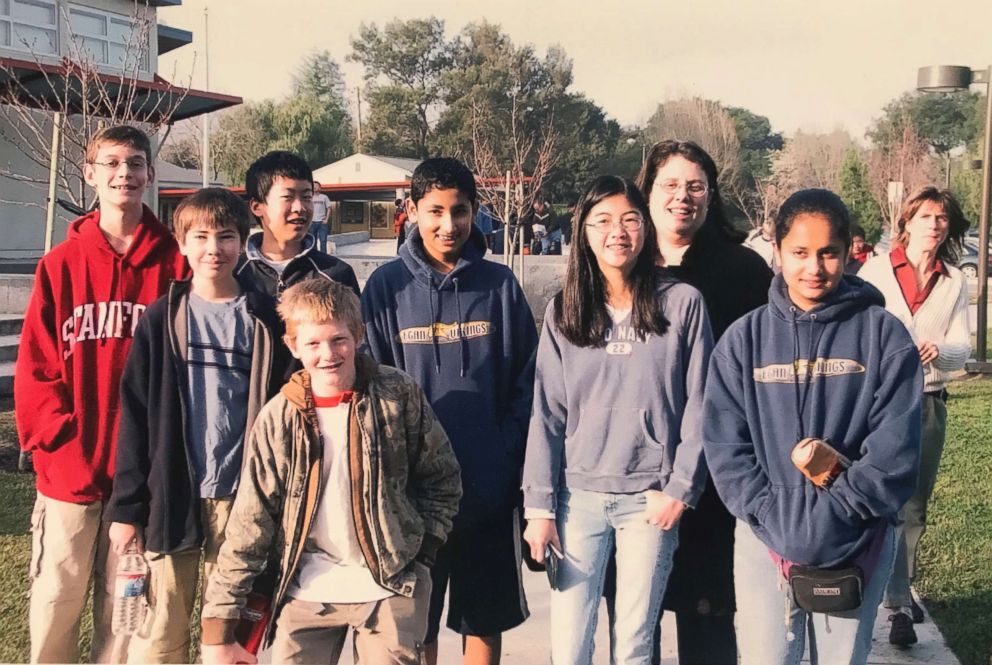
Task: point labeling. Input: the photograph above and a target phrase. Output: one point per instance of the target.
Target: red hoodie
(77, 332)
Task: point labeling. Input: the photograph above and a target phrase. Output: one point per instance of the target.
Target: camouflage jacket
(405, 488)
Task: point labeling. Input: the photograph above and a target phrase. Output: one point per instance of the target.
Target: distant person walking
(930, 296)
(400, 217)
(321, 212)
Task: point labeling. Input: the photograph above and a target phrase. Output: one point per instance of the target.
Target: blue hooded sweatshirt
(846, 371)
(469, 339)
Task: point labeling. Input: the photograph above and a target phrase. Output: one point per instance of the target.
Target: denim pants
(588, 525)
(319, 232)
(766, 636)
(548, 238)
(914, 514)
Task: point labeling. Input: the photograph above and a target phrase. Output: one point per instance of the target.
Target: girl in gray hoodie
(614, 450)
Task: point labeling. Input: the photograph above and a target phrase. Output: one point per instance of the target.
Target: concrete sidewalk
(528, 644)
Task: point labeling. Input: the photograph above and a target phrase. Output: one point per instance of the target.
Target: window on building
(108, 38)
(30, 26)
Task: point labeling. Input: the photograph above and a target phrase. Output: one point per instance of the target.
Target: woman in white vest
(929, 294)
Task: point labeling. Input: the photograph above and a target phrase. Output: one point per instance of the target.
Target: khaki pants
(69, 548)
(164, 636)
(913, 515)
(388, 631)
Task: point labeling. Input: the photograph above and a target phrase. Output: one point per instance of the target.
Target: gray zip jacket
(624, 417)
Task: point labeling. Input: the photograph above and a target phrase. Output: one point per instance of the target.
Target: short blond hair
(211, 208)
(320, 300)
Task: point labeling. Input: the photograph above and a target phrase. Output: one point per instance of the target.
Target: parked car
(968, 261)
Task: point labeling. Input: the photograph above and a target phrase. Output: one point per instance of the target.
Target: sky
(810, 65)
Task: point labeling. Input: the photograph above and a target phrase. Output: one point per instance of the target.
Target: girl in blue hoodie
(823, 359)
(614, 451)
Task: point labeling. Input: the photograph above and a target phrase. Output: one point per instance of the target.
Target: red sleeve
(42, 403)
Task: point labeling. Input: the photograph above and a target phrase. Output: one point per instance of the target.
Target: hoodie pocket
(613, 441)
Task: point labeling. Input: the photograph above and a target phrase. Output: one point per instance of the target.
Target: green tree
(243, 134)
(855, 190)
(319, 132)
(747, 192)
(319, 76)
(403, 62)
(944, 121)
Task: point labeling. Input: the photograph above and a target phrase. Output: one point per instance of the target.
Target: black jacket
(734, 280)
(154, 483)
(255, 273)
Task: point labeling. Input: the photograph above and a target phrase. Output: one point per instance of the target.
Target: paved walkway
(528, 644)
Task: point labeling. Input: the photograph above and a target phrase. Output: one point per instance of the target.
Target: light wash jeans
(547, 239)
(588, 524)
(766, 637)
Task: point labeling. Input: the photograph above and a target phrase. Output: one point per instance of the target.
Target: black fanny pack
(826, 590)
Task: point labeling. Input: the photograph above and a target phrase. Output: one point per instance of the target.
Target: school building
(41, 45)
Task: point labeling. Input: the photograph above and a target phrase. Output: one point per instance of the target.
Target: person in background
(762, 240)
(321, 217)
(399, 224)
(608, 462)
(861, 251)
(484, 220)
(930, 296)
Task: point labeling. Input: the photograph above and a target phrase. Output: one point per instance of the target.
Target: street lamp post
(944, 78)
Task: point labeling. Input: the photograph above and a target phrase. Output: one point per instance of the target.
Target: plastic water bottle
(129, 593)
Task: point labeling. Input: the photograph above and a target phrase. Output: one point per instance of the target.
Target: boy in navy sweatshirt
(461, 327)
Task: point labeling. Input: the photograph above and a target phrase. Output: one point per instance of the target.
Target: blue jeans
(588, 525)
(547, 239)
(319, 232)
(767, 636)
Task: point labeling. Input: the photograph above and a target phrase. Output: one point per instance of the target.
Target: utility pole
(205, 157)
(358, 96)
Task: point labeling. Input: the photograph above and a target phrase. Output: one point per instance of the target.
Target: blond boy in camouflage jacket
(405, 490)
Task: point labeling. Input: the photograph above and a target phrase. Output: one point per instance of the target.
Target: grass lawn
(955, 557)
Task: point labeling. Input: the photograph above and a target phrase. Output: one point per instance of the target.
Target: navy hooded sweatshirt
(858, 385)
(469, 339)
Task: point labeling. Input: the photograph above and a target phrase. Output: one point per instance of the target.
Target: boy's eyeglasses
(604, 225)
(694, 188)
(132, 164)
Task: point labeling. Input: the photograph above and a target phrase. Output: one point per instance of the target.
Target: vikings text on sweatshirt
(846, 371)
(77, 333)
(468, 338)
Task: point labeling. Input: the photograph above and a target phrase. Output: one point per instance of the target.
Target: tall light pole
(946, 78)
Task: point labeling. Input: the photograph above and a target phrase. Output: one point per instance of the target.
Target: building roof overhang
(64, 87)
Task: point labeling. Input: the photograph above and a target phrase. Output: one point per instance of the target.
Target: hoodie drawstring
(437, 350)
(461, 338)
(814, 343)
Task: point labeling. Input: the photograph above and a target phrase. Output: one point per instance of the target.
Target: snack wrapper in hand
(819, 461)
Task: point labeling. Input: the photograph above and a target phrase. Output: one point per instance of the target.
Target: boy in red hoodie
(88, 295)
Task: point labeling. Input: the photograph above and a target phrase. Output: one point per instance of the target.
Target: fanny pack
(827, 590)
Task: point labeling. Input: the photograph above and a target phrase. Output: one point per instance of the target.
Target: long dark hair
(821, 202)
(661, 152)
(580, 308)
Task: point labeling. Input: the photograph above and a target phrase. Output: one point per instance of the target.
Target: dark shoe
(902, 633)
(918, 616)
